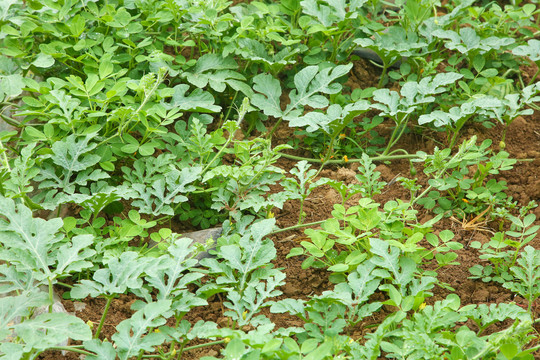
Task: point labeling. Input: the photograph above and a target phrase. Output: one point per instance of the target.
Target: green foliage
(301, 188)
(36, 245)
(454, 181)
(526, 273)
(503, 248)
(130, 118)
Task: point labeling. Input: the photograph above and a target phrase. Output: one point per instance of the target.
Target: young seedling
(301, 187)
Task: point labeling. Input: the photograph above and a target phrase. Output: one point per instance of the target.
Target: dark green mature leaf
(394, 43)
(310, 81)
(217, 72)
(165, 190)
(256, 51)
(197, 101)
(334, 120)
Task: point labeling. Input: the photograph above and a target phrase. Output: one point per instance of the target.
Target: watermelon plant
(126, 125)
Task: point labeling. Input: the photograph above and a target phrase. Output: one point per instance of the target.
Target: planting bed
(524, 186)
(369, 211)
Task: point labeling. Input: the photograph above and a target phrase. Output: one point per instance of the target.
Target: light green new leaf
(102, 195)
(132, 334)
(531, 50)
(50, 329)
(74, 158)
(527, 272)
(11, 351)
(168, 275)
(104, 350)
(29, 240)
(270, 93)
(468, 41)
(333, 11)
(43, 61)
(292, 306)
(11, 86)
(4, 8)
(362, 282)
(156, 197)
(12, 307)
(13, 280)
(74, 155)
(120, 275)
(485, 315)
(70, 257)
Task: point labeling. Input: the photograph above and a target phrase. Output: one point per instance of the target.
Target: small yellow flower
(422, 306)
(342, 136)
(270, 215)
(345, 158)
(227, 340)
(157, 330)
(90, 324)
(244, 315)
(351, 340)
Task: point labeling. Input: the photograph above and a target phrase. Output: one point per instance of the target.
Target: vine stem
(327, 157)
(241, 114)
(51, 295)
(298, 226)
(102, 321)
(271, 133)
(187, 349)
(73, 349)
(375, 158)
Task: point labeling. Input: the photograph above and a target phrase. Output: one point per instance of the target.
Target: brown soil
(523, 142)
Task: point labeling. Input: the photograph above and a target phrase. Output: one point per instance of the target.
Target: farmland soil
(523, 142)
